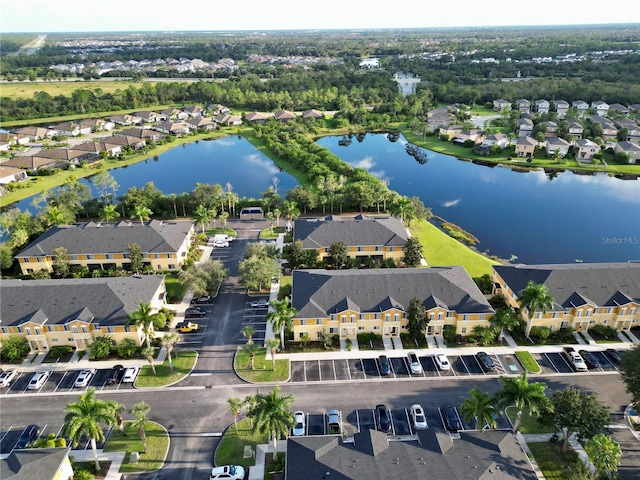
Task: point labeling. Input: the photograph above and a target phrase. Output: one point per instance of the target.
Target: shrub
(541, 334)
(100, 348)
(604, 331)
(449, 334)
(127, 348)
(14, 349)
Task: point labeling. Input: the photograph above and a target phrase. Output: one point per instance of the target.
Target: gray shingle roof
(105, 301)
(33, 463)
(361, 230)
(572, 285)
(434, 456)
(92, 238)
(318, 293)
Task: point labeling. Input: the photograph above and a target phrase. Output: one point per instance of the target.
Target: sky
(164, 15)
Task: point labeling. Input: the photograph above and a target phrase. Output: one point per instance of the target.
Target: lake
(590, 218)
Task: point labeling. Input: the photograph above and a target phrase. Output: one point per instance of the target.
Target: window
(114, 343)
(353, 319)
(378, 249)
(387, 318)
(360, 329)
(333, 330)
(318, 321)
(361, 249)
(343, 319)
(27, 331)
(37, 331)
(376, 327)
(564, 324)
(108, 256)
(555, 315)
(376, 316)
(482, 316)
(85, 330)
(632, 311)
(361, 316)
(303, 321)
(4, 329)
(38, 259)
(579, 313)
(431, 316)
(589, 312)
(171, 266)
(439, 315)
(606, 322)
(623, 311)
(54, 340)
(464, 330)
(465, 317)
(304, 334)
(551, 328)
(110, 330)
(69, 339)
(73, 257)
(396, 317)
(89, 257)
(74, 329)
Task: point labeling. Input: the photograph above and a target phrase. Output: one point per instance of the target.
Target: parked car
(383, 418)
(195, 312)
(28, 435)
(220, 243)
(84, 377)
(298, 428)
(574, 359)
(262, 303)
(442, 361)
(451, 420)
(130, 374)
(613, 355)
(334, 422)
(590, 359)
(187, 327)
(204, 299)
(7, 377)
(418, 417)
(38, 380)
(115, 375)
(228, 472)
(385, 369)
(486, 362)
(414, 363)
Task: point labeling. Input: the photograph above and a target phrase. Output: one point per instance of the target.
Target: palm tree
(168, 341)
(247, 332)
(402, 208)
(519, 392)
(272, 415)
(84, 418)
(281, 317)
(604, 453)
(272, 345)
(140, 411)
(481, 406)
(534, 296)
(251, 349)
(142, 212)
(504, 319)
(143, 318)
(149, 353)
(203, 216)
(55, 216)
(223, 218)
(277, 213)
(486, 335)
(235, 407)
(109, 213)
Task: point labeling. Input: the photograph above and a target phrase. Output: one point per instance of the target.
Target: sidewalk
(257, 472)
(116, 459)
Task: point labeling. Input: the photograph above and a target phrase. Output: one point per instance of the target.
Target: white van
(221, 238)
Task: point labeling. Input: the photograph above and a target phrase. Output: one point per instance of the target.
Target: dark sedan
(29, 434)
(590, 359)
(383, 419)
(195, 312)
(451, 420)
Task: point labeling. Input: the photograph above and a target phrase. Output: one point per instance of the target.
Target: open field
(18, 90)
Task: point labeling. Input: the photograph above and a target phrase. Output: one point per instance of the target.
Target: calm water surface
(593, 218)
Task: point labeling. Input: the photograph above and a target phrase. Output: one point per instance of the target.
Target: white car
(298, 429)
(220, 243)
(414, 363)
(130, 374)
(228, 472)
(7, 377)
(84, 377)
(442, 362)
(38, 380)
(418, 417)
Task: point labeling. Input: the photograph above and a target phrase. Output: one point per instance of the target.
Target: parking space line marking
(6, 433)
(319, 370)
(304, 368)
(551, 362)
(348, 369)
(333, 364)
(391, 369)
(406, 413)
(465, 364)
(377, 368)
(358, 420)
(393, 427)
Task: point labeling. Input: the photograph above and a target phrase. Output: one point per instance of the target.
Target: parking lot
(256, 318)
(461, 366)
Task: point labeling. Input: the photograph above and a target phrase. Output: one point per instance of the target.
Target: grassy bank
(183, 363)
(439, 249)
(157, 447)
(262, 368)
(231, 447)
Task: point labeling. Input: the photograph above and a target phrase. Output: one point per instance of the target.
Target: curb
(251, 382)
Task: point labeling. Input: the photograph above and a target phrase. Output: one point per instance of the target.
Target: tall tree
(235, 407)
(83, 418)
(272, 345)
(109, 213)
(629, 368)
(417, 319)
(149, 353)
(251, 349)
(573, 411)
(504, 319)
(605, 454)
(203, 216)
(140, 411)
(519, 392)
(143, 319)
(135, 257)
(106, 186)
(61, 261)
(272, 415)
(281, 317)
(338, 256)
(169, 340)
(402, 208)
(480, 406)
(535, 296)
(143, 213)
(247, 332)
(412, 252)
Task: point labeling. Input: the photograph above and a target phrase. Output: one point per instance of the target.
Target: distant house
(284, 116)
(143, 133)
(439, 117)
(500, 139)
(557, 144)
(71, 129)
(473, 135)
(34, 162)
(9, 138)
(227, 119)
(551, 128)
(526, 147)
(618, 108)
(150, 117)
(575, 129)
(609, 130)
(631, 149)
(11, 174)
(256, 117)
(562, 107)
(174, 114)
(525, 127)
(125, 120)
(500, 104)
(580, 107)
(68, 155)
(37, 463)
(600, 108)
(585, 149)
(35, 133)
(194, 111)
(97, 124)
(451, 131)
(177, 129)
(200, 123)
(542, 106)
(633, 129)
(523, 105)
(216, 109)
(99, 147)
(634, 107)
(126, 140)
(312, 114)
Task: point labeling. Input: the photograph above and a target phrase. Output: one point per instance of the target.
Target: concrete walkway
(257, 472)
(116, 459)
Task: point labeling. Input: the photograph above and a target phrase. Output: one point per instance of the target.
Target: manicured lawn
(231, 447)
(551, 460)
(262, 368)
(219, 230)
(528, 361)
(528, 424)
(182, 364)
(157, 447)
(439, 249)
(175, 289)
(271, 233)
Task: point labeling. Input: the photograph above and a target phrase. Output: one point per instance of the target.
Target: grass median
(183, 363)
(528, 362)
(230, 450)
(263, 371)
(552, 460)
(157, 447)
(528, 424)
